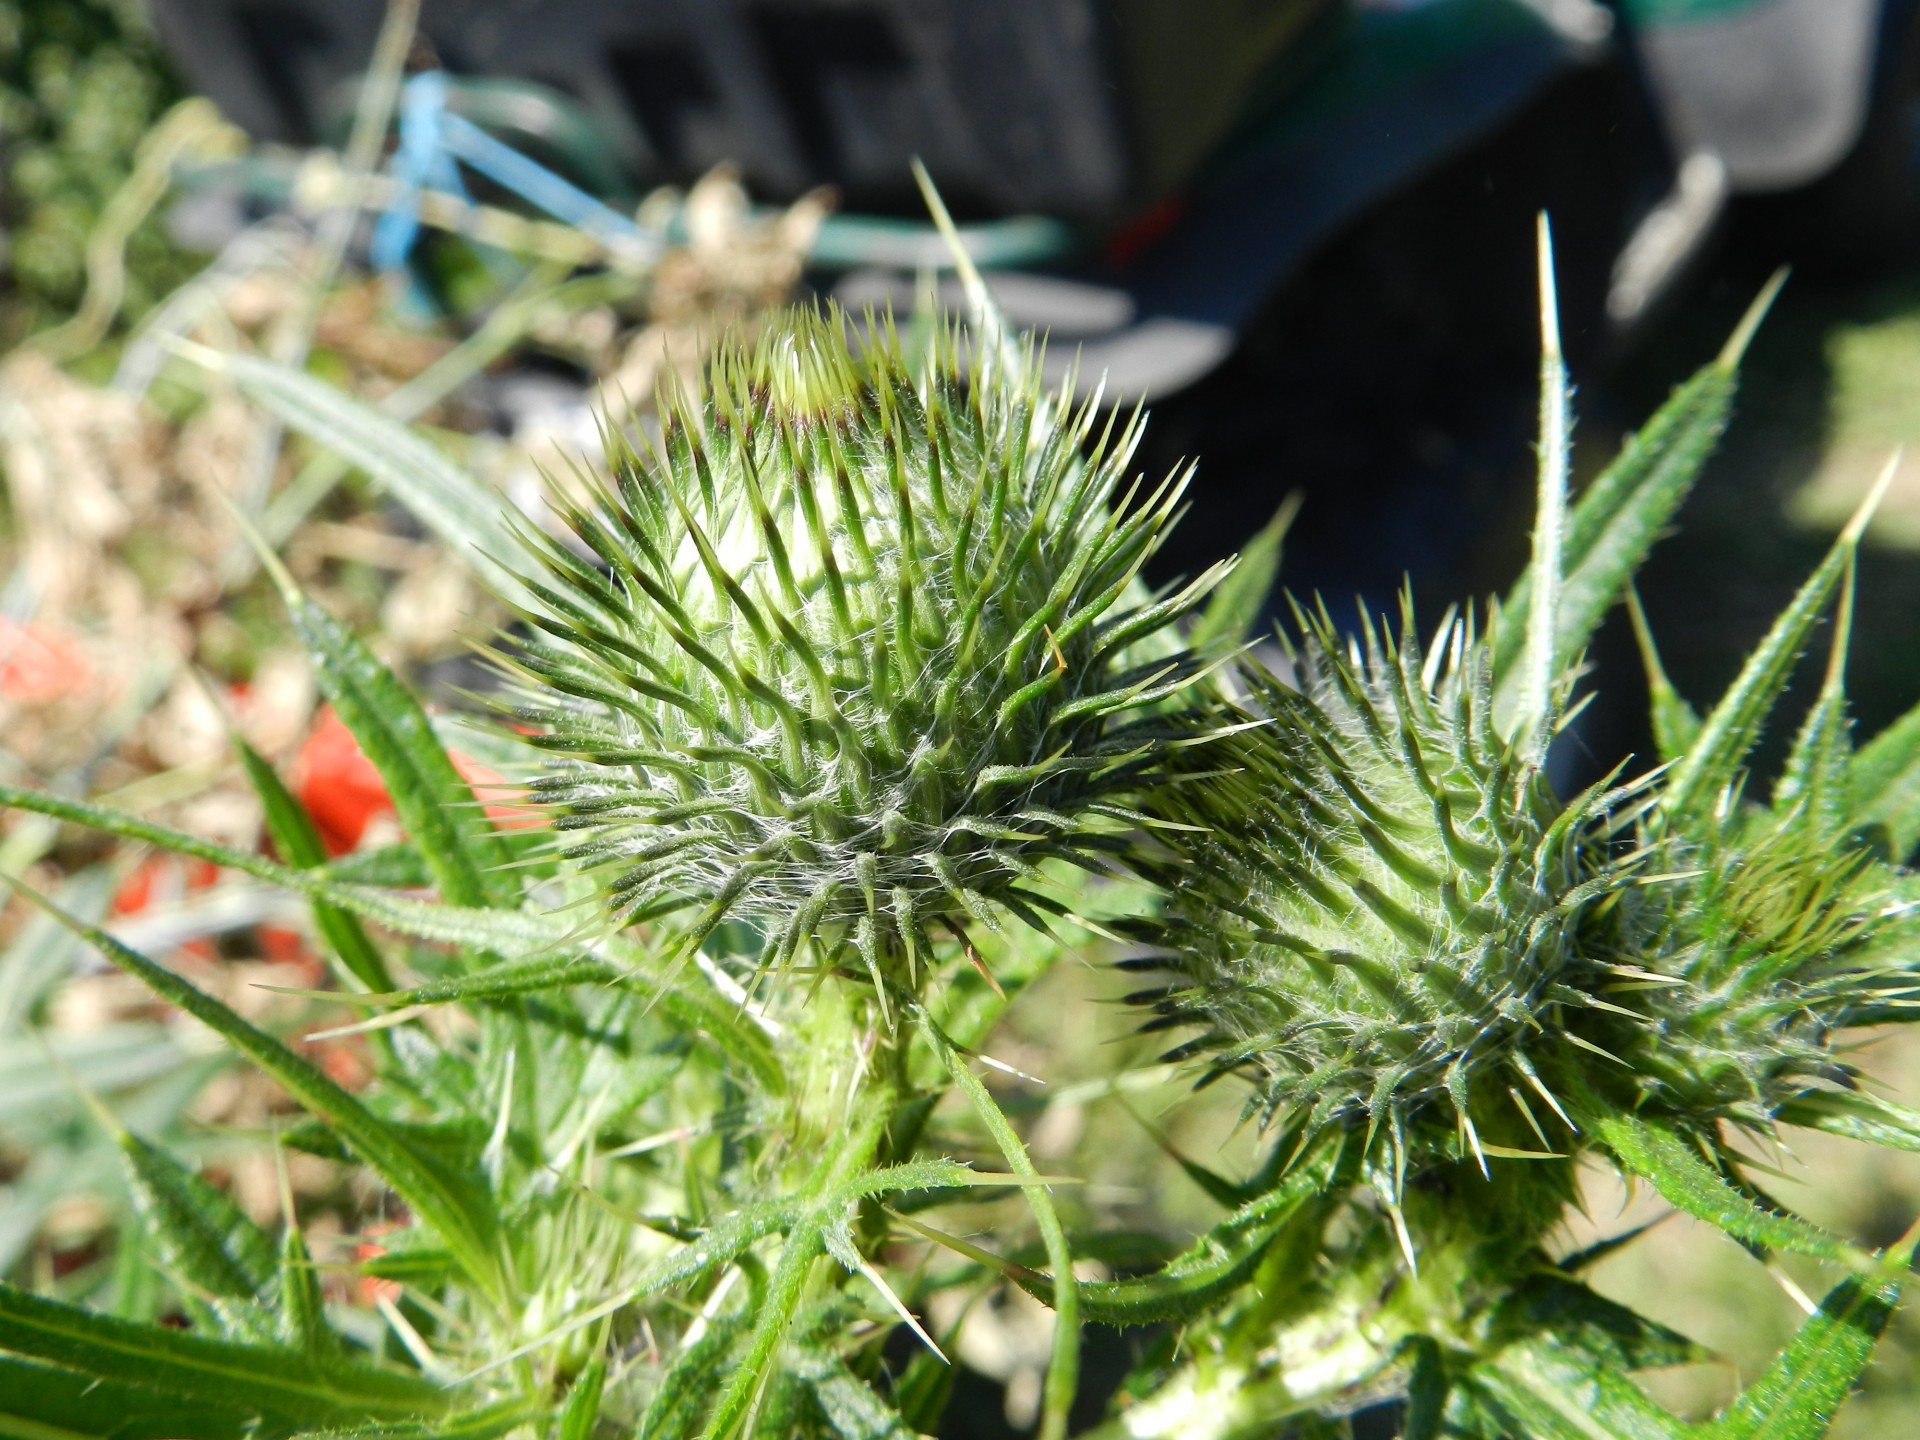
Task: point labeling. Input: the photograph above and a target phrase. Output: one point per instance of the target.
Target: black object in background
(1083, 109)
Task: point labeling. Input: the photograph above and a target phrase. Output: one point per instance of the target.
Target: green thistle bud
(1374, 903)
(1383, 916)
(1759, 950)
(850, 653)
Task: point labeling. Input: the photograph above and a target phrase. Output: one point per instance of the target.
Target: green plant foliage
(80, 82)
(286, 1389)
(853, 658)
(1381, 913)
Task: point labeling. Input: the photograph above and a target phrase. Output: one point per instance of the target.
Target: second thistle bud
(1374, 906)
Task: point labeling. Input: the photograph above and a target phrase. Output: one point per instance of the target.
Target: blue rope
(435, 142)
(432, 142)
(544, 190)
(420, 162)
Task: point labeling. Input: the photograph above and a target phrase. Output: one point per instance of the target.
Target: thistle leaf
(1685, 1180)
(434, 804)
(1553, 1306)
(470, 516)
(1798, 1395)
(1615, 522)
(203, 1238)
(1532, 722)
(1856, 1115)
(1676, 725)
(583, 1403)
(40, 953)
(675, 1411)
(1564, 1369)
(394, 867)
(498, 982)
(1733, 726)
(726, 1024)
(719, 1245)
(503, 932)
(989, 322)
(487, 1422)
(284, 1384)
(845, 1402)
(1240, 600)
(1886, 784)
(456, 1205)
(1545, 1394)
(303, 1319)
(1817, 780)
(40, 1402)
(1218, 1263)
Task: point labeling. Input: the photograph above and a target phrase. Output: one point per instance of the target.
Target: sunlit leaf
(1239, 601)
(1685, 1179)
(456, 1205)
(244, 1378)
(472, 518)
(1798, 1395)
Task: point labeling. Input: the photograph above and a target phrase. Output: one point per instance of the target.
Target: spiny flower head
(852, 649)
(1736, 971)
(1381, 913)
(1373, 901)
(1762, 932)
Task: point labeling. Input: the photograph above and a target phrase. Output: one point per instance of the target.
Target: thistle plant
(1383, 915)
(844, 671)
(856, 649)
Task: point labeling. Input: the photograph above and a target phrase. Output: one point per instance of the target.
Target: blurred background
(1301, 230)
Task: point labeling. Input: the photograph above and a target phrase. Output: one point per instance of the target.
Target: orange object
(162, 877)
(370, 1288)
(504, 802)
(343, 1059)
(338, 784)
(281, 946)
(344, 793)
(39, 663)
(166, 878)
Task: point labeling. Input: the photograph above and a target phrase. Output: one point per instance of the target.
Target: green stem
(806, 1241)
(1063, 1366)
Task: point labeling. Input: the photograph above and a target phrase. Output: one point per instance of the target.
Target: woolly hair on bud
(854, 648)
(1373, 904)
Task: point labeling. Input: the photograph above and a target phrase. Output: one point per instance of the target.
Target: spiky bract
(850, 652)
(1738, 968)
(1377, 903)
